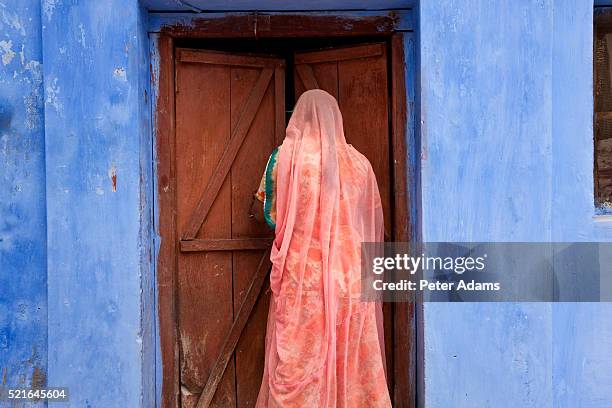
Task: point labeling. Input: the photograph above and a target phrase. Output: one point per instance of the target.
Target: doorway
(227, 104)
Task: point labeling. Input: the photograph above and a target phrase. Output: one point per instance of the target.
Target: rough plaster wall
(486, 94)
(23, 272)
(507, 156)
(93, 65)
(582, 359)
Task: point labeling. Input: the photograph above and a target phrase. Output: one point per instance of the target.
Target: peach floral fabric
(324, 347)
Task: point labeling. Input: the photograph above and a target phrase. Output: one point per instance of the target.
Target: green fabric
(270, 189)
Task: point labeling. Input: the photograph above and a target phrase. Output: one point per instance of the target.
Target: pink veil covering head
(320, 335)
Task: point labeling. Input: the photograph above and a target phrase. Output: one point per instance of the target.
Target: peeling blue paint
(23, 253)
(98, 250)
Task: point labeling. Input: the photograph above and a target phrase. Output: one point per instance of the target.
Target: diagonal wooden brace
(246, 307)
(307, 76)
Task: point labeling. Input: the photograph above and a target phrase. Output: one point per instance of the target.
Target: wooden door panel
(220, 98)
(357, 77)
(245, 174)
(204, 278)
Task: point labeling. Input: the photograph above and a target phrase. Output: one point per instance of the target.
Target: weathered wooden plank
(404, 338)
(298, 24)
(166, 260)
(340, 54)
(234, 244)
(204, 278)
(603, 115)
(279, 105)
(604, 154)
(604, 170)
(223, 58)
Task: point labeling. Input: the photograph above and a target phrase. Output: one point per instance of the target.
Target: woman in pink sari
(324, 347)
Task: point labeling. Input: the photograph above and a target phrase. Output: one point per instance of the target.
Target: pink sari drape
(324, 347)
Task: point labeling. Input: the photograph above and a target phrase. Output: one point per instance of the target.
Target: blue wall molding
(273, 5)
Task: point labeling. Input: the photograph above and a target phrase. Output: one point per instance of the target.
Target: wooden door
(229, 117)
(357, 77)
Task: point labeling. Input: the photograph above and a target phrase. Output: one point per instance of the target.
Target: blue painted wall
(506, 104)
(275, 5)
(23, 270)
(96, 135)
(506, 108)
(76, 280)
(582, 347)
